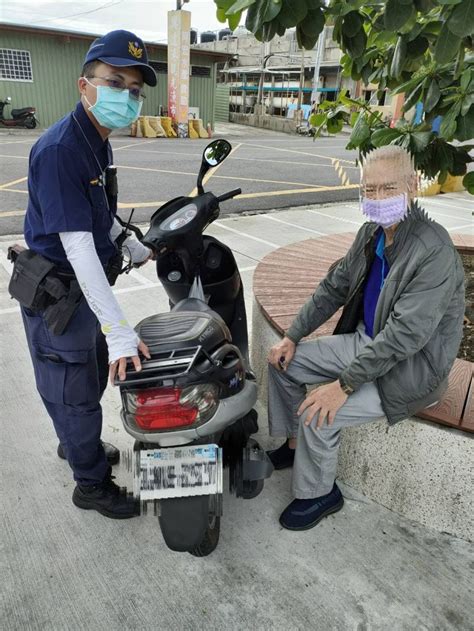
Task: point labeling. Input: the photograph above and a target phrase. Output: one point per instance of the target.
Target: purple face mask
(385, 212)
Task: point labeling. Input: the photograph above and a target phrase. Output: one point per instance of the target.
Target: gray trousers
(318, 361)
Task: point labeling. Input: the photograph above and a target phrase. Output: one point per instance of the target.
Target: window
(161, 67)
(200, 71)
(15, 65)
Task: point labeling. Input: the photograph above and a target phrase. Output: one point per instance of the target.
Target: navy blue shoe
(283, 457)
(304, 514)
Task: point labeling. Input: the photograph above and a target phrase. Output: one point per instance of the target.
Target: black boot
(283, 457)
(111, 453)
(106, 498)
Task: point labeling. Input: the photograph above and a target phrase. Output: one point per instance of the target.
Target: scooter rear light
(170, 408)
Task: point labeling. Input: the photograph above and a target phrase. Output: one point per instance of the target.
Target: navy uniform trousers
(71, 373)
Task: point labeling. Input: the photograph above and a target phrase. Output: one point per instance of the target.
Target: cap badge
(133, 49)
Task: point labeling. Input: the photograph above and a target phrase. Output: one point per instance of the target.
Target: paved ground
(274, 170)
(364, 569)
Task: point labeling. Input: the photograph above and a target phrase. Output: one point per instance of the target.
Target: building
(40, 67)
(270, 76)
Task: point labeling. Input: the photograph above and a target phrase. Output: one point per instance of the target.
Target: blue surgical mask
(114, 109)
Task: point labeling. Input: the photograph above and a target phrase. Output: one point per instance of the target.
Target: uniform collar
(91, 133)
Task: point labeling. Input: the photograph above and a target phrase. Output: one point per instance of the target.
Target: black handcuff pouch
(33, 282)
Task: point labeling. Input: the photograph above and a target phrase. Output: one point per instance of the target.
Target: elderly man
(402, 288)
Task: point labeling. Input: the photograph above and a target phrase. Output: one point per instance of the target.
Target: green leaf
(281, 30)
(447, 46)
(269, 30)
(412, 98)
(417, 47)
(448, 124)
(468, 182)
(361, 131)
(315, 120)
(449, 1)
(335, 125)
(398, 59)
(466, 78)
(260, 12)
(355, 45)
(221, 16)
(466, 104)
(234, 20)
(352, 23)
(419, 140)
(353, 118)
(465, 127)
(461, 21)
(385, 136)
(240, 5)
(432, 96)
(313, 24)
(423, 6)
(396, 14)
(292, 12)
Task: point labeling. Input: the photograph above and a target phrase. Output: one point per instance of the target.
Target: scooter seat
(183, 329)
(24, 110)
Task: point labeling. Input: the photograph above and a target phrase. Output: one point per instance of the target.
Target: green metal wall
(222, 102)
(57, 62)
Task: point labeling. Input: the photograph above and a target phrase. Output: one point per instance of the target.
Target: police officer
(71, 221)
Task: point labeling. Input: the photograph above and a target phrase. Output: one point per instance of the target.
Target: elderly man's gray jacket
(419, 315)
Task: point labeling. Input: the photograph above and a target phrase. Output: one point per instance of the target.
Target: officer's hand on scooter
(120, 365)
(282, 353)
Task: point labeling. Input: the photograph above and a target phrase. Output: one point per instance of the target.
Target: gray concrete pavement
(273, 170)
(363, 569)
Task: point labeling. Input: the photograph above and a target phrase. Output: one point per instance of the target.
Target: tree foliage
(422, 48)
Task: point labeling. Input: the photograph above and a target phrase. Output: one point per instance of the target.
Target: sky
(146, 18)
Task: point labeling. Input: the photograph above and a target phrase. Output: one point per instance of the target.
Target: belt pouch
(29, 270)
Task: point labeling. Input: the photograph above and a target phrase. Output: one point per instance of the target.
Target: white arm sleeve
(80, 251)
(133, 249)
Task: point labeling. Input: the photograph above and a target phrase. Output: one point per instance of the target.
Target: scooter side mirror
(215, 153)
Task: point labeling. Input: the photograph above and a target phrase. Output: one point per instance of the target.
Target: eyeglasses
(117, 84)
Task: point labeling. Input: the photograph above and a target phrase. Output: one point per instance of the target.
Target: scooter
(25, 117)
(191, 408)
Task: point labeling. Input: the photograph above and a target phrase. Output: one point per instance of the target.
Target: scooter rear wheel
(210, 539)
(30, 123)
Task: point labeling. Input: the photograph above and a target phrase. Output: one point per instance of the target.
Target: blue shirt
(374, 283)
(66, 191)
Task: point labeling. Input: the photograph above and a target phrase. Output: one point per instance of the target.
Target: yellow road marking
(210, 173)
(294, 192)
(251, 195)
(21, 179)
(303, 153)
(12, 190)
(140, 205)
(340, 170)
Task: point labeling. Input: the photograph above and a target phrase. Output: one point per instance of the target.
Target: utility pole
(317, 65)
(300, 90)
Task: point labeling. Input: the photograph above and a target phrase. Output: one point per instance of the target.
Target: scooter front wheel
(210, 539)
(30, 123)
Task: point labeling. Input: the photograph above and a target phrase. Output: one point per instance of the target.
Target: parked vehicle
(191, 408)
(25, 117)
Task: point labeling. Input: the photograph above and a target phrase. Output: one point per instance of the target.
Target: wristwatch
(345, 387)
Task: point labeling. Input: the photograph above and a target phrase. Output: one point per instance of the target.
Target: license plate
(178, 472)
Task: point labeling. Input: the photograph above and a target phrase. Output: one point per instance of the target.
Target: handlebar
(229, 195)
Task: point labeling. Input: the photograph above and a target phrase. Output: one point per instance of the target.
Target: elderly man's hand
(327, 400)
(282, 353)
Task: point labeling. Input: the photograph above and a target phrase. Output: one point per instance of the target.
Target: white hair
(401, 161)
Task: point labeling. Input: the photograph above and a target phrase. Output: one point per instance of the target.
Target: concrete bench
(417, 468)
